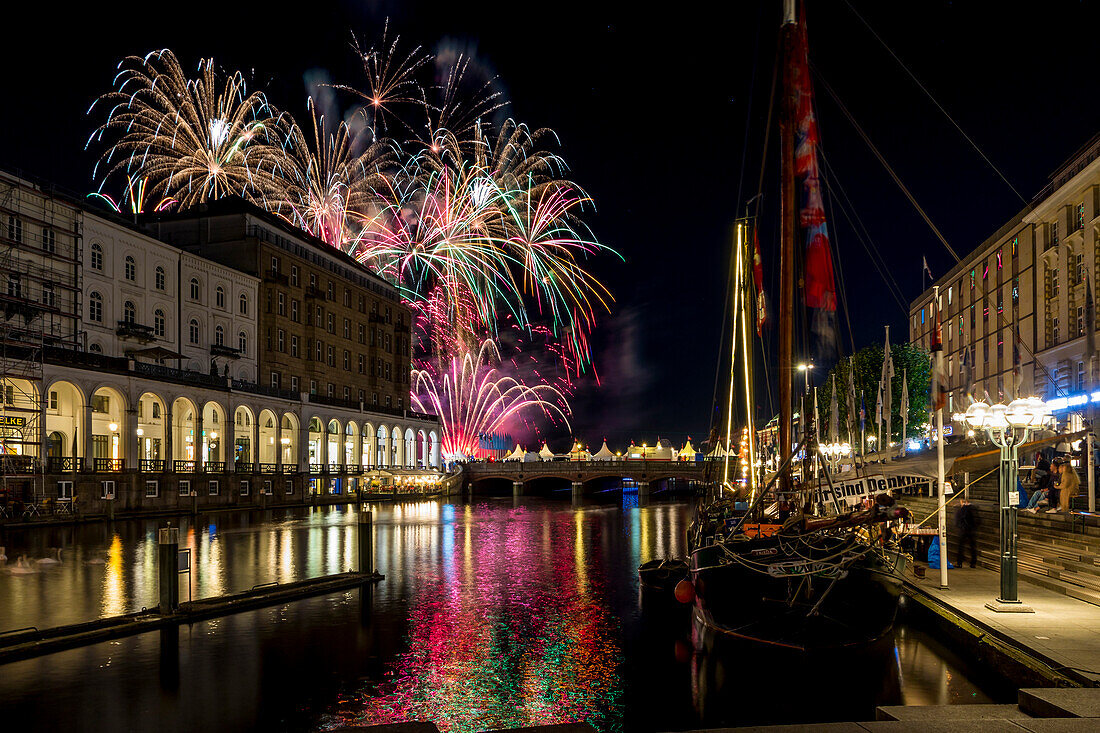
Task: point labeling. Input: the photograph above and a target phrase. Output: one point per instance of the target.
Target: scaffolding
(39, 310)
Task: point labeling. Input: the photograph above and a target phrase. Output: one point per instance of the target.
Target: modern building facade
(142, 381)
(1028, 281)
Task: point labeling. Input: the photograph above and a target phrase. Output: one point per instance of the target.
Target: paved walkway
(1063, 631)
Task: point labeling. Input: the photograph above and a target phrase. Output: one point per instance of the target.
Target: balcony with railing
(274, 276)
(108, 465)
(152, 465)
(138, 331)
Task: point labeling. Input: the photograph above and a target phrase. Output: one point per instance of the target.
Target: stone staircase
(1058, 552)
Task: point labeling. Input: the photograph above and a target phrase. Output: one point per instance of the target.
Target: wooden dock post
(366, 542)
(168, 542)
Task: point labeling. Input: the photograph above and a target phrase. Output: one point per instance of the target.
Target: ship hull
(771, 596)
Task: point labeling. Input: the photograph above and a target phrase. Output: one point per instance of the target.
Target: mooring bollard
(366, 543)
(167, 568)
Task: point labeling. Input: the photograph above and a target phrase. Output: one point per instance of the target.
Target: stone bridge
(578, 473)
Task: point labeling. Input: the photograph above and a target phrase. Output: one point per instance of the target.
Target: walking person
(967, 522)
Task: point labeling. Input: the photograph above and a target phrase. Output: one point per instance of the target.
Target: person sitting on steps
(1068, 485)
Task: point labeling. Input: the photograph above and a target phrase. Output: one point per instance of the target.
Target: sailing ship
(782, 562)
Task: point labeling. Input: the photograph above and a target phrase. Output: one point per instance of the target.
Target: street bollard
(366, 543)
(167, 568)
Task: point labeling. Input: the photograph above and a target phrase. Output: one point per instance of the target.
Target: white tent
(578, 453)
(546, 454)
(719, 452)
(663, 451)
(687, 453)
(604, 454)
(516, 455)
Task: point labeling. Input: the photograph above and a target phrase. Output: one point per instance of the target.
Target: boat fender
(685, 591)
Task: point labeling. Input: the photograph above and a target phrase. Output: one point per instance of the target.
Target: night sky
(651, 106)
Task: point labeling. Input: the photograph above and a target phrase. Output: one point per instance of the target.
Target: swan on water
(51, 560)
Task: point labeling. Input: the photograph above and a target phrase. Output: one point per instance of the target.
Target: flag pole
(941, 510)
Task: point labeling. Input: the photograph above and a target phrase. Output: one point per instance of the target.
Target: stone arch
(382, 456)
(397, 448)
(152, 428)
(335, 442)
(109, 426)
(288, 439)
(434, 449)
(410, 447)
(244, 436)
(185, 446)
(65, 415)
(267, 427)
(369, 444)
(352, 454)
(421, 449)
(213, 436)
(317, 438)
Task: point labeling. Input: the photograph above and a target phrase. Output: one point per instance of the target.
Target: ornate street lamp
(1007, 426)
(835, 453)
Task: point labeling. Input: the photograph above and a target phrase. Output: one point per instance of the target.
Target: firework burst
(193, 140)
(471, 398)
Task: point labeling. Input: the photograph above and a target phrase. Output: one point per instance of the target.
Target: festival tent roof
(688, 452)
(604, 454)
(546, 454)
(578, 453)
(718, 452)
(516, 455)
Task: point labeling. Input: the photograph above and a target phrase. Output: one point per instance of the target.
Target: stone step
(1060, 702)
(949, 712)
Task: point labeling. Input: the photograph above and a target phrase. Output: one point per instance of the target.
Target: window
(294, 311)
(53, 400)
(362, 365)
(129, 312)
(362, 304)
(362, 396)
(15, 228)
(1053, 233)
(374, 398)
(95, 348)
(219, 336)
(347, 393)
(294, 384)
(275, 265)
(243, 304)
(347, 298)
(331, 323)
(362, 334)
(1015, 247)
(96, 307)
(347, 328)
(389, 315)
(246, 487)
(267, 487)
(320, 351)
(152, 489)
(1080, 216)
(389, 401)
(330, 295)
(331, 356)
(331, 389)
(64, 489)
(950, 290)
(214, 487)
(193, 331)
(97, 257)
(347, 360)
(275, 380)
(289, 487)
(242, 343)
(280, 301)
(281, 340)
(294, 275)
(130, 269)
(1080, 269)
(158, 323)
(1080, 321)
(1054, 284)
(1080, 376)
(313, 386)
(312, 280)
(219, 297)
(47, 295)
(1055, 331)
(194, 289)
(15, 286)
(294, 346)
(1015, 290)
(49, 240)
(158, 278)
(156, 410)
(185, 488)
(106, 489)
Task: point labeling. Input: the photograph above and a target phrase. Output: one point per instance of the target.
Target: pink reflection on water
(522, 637)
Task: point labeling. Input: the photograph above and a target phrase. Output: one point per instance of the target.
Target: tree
(909, 359)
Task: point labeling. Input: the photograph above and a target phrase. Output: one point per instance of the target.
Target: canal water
(494, 614)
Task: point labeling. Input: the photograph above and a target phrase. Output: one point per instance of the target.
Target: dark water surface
(494, 614)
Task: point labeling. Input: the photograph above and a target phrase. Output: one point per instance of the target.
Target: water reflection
(493, 615)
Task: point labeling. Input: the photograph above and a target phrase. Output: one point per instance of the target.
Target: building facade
(1016, 306)
(327, 325)
(143, 381)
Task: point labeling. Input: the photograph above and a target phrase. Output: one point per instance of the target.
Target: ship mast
(786, 240)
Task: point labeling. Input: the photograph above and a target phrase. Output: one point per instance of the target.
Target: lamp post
(835, 453)
(1007, 426)
(806, 369)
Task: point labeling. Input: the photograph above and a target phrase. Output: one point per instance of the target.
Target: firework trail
(134, 200)
(193, 140)
(471, 398)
